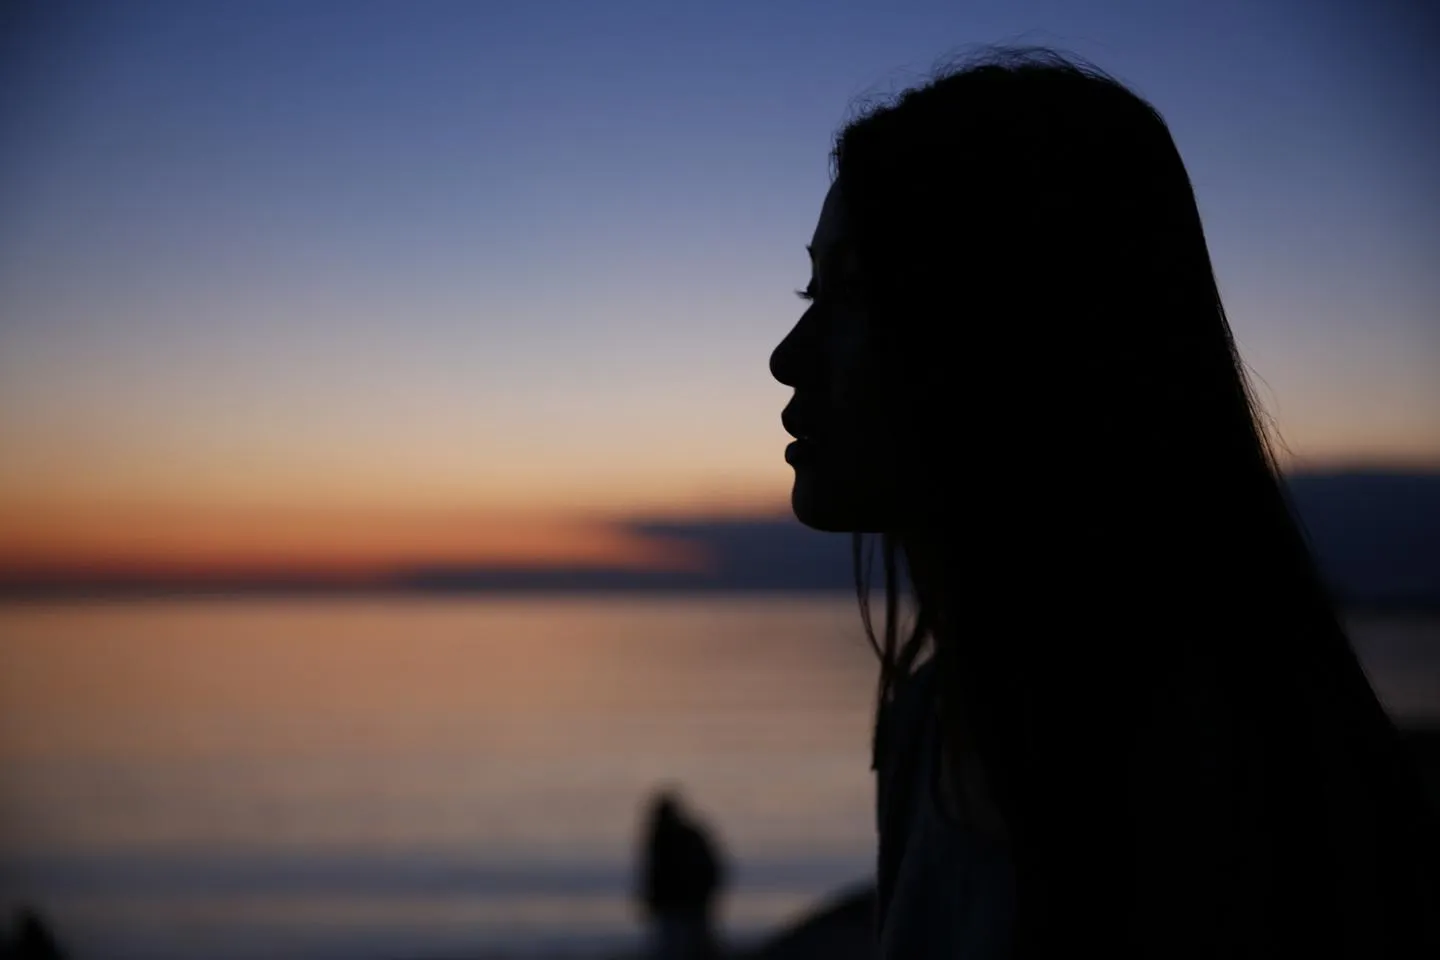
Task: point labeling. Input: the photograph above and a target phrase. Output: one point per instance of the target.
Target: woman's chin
(822, 504)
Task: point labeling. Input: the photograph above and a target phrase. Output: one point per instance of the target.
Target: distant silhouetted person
(680, 879)
(30, 939)
(1118, 713)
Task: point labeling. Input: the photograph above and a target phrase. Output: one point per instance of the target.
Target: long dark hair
(1096, 544)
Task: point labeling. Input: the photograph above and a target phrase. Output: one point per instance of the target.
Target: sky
(354, 283)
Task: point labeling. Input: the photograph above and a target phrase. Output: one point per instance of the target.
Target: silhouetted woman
(1118, 713)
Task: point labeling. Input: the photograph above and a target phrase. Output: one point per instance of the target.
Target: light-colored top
(945, 890)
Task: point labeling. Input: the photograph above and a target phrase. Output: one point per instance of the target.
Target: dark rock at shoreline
(841, 928)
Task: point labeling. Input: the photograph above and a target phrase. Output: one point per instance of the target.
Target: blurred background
(391, 491)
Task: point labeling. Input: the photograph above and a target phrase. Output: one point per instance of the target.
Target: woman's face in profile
(841, 471)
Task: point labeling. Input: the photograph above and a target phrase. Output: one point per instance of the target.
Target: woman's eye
(808, 294)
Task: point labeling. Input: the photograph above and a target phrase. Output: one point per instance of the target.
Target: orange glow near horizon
(66, 537)
(341, 543)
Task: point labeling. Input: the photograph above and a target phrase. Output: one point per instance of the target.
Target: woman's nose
(787, 360)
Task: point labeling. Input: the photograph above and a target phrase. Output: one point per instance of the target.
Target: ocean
(383, 778)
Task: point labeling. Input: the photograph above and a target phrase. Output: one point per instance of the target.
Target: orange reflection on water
(537, 724)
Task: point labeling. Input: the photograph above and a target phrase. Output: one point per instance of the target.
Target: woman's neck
(963, 788)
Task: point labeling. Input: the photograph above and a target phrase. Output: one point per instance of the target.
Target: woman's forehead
(830, 228)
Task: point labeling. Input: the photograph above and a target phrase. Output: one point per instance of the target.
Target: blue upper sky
(537, 253)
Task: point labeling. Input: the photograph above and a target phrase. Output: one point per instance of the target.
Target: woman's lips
(802, 421)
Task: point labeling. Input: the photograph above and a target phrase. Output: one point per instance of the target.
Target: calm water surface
(390, 778)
